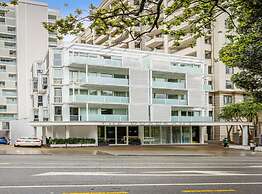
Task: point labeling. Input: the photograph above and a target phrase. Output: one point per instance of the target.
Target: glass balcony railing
(105, 81)
(95, 61)
(207, 88)
(101, 99)
(169, 101)
(171, 85)
(191, 119)
(97, 117)
(187, 69)
(77, 118)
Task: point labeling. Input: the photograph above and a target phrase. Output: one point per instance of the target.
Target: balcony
(155, 42)
(190, 68)
(100, 99)
(207, 88)
(92, 80)
(95, 61)
(76, 118)
(168, 85)
(191, 119)
(97, 117)
(101, 39)
(169, 101)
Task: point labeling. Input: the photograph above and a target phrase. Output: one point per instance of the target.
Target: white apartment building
(207, 48)
(115, 94)
(23, 40)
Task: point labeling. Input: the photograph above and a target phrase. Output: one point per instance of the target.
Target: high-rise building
(207, 48)
(23, 40)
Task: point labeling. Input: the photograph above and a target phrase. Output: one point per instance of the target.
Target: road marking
(126, 185)
(208, 191)
(97, 193)
(151, 174)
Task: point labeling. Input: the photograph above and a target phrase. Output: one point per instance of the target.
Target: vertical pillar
(171, 135)
(67, 132)
(127, 135)
(245, 136)
(87, 112)
(115, 135)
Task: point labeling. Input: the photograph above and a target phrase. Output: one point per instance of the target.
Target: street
(79, 173)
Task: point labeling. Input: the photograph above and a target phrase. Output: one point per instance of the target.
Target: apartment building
(116, 94)
(207, 48)
(23, 40)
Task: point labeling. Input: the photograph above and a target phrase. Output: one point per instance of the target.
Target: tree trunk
(228, 133)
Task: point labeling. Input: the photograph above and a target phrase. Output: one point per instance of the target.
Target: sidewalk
(241, 147)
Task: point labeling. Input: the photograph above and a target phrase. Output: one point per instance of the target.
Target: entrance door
(121, 135)
(110, 135)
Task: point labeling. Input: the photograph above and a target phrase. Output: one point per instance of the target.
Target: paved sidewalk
(241, 147)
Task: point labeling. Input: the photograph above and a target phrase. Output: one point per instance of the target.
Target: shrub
(73, 141)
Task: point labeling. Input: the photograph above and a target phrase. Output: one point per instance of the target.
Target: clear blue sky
(72, 5)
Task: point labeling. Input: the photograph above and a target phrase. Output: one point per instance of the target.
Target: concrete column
(203, 134)
(67, 132)
(127, 135)
(245, 136)
(141, 133)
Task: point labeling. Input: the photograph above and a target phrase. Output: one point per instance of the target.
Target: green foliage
(73, 141)
(243, 111)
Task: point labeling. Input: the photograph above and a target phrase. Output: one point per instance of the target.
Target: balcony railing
(191, 119)
(170, 85)
(101, 99)
(207, 88)
(95, 61)
(105, 81)
(97, 117)
(186, 69)
(169, 101)
(76, 118)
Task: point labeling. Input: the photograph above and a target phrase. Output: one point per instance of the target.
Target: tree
(241, 112)
(244, 22)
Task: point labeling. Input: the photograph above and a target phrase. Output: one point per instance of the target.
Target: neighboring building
(115, 94)
(23, 40)
(207, 48)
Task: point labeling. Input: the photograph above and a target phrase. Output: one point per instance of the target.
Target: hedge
(73, 141)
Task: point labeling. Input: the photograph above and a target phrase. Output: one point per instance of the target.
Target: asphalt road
(56, 174)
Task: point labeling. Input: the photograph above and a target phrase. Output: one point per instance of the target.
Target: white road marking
(126, 185)
(166, 174)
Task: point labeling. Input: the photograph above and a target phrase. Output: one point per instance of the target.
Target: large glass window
(155, 134)
(165, 135)
(228, 99)
(176, 134)
(195, 134)
(186, 134)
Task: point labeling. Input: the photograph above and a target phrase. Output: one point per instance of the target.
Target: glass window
(176, 134)
(210, 113)
(210, 70)
(93, 92)
(57, 59)
(2, 84)
(83, 92)
(11, 100)
(174, 113)
(58, 73)
(119, 76)
(120, 111)
(93, 110)
(2, 68)
(58, 110)
(208, 39)
(119, 93)
(190, 113)
(229, 84)
(229, 70)
(106, 111)
(106, 75)
(186, 134)
(70, 91)
(106, 93)
(228, 99)
(173, 80)
(183, 113)
(57, 91)
(207, 54)
(161, 96)
(172, 96)
(210, 99)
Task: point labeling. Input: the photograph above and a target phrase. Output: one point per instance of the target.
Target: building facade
(116, 94)
(23, 40)
(207, 48)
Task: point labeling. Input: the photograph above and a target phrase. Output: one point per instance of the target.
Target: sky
(72, 5)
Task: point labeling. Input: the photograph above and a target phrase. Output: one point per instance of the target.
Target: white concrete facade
(86, 83)
(23, 40)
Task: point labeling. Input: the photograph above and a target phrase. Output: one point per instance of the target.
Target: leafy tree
(241, 112)
(244, 24)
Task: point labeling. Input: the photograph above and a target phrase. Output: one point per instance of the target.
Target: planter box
(71, 145)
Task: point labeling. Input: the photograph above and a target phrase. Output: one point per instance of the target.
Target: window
(122, 94)
(106, 111)
(137, 45)
(190, 113)
(83, 92)
(208, 40)
(183, 113)
(57, 59)
(58, 73)
(11, 100)
(172, 96)
(210, 113)
(228, 99)
(161, 96)
(174, 113)
(5, 125)
(3, 108)
(210, 70)
(93, 92)
(12, 76)
(35, 84)
(40, 100)
(106, 93)
(229, 70)
(52, 17)
(2, 68)
(119, 76)
(229, 84)
(210, 99)
(58, 110)
(2, 84)
(207, 54)
(57, 91)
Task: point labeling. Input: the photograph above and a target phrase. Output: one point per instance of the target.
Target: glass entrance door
(111, 135)
(121, 135)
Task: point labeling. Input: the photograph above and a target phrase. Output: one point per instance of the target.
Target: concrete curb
(161, 155)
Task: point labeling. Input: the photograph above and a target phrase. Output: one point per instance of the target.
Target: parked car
(3, 140)
(28, 141)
